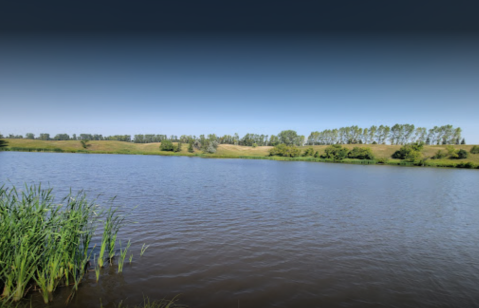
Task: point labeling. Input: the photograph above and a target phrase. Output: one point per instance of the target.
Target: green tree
(463, 141)
(178, 147)
(30, 136)
(289, 137)
(44, 136)
(475, 150)
(166, 145)
(190, 146)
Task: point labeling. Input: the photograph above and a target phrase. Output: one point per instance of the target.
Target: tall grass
(44, 244)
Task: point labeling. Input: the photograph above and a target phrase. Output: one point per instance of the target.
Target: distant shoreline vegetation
(399, 134)
(409, 146)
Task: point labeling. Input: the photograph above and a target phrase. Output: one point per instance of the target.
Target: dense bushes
(166, 145)
(308, 152)
(475, 150)
(335, 152)
(361, 153)
(285, 151)
(410, 152)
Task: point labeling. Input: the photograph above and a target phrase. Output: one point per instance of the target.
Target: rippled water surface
(253, 233)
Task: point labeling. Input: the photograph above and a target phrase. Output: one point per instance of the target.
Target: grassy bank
(382, 153)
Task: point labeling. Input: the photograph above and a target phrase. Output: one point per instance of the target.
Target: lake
(257, 233)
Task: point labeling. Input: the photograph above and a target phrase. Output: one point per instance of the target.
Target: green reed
(121, 260)
(143, 249)
(44, 245)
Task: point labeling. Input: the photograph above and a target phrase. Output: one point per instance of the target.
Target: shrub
(166, 145)
(361, 153)
(382, 160)
(336, 152)
(308, 152)
(210, 149)
(254, 145)
(3, 143)
(285, 151)
(439, 154)
(409, 152)
(461, 154)
(475, 150)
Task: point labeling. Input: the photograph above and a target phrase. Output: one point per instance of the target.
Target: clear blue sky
(232, 84)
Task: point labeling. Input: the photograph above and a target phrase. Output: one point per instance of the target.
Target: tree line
(399, 134)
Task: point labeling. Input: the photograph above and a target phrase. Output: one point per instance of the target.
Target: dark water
(252, 233)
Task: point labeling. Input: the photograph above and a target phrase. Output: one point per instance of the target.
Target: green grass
(45, 244)
(382, 153)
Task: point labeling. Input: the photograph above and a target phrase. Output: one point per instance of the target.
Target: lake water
(255, 233)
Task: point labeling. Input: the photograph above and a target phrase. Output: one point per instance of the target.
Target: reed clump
(44, 244)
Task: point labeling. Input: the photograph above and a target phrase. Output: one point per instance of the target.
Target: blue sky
(232, 84)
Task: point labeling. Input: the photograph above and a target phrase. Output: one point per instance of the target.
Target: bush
(382, 160)
(461, 154)
(409, 152)
(475, 150)
(456, 154)
(210, 149)
(285, 151)
(3, 143)
(361, 153)
(166, 145)
(439, 154)
(308, 152)
(254, 145)
(336, 152)
(467, 165)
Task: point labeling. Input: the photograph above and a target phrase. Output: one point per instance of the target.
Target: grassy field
(223, 151)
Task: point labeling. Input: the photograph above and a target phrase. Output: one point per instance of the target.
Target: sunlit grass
(44, 244)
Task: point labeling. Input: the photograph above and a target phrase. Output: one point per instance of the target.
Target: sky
(147, 69)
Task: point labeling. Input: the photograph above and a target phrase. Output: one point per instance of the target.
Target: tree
(475, 150)
(44, 137)
(190, 146)
(85, 144)
(30, 136)
(463, 141)
(166, 145)
(289, 137)
(178, 147)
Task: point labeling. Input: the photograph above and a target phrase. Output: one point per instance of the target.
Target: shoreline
(430, 163)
